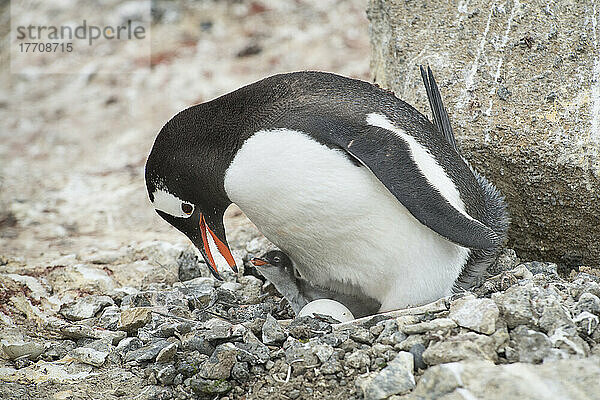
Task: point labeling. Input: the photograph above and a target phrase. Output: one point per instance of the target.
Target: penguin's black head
(184, 179)
(273, 258)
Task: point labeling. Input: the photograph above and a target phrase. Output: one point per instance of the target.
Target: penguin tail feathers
(495, 216)
(440, 115)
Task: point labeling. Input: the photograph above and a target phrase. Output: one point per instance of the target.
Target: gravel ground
(101, 299)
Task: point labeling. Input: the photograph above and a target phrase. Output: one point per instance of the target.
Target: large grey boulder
(521, 82)
(564, 379)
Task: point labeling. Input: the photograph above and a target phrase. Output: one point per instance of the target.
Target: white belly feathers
(339, 224)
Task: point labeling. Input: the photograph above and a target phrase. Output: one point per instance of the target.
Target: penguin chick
(278, 268)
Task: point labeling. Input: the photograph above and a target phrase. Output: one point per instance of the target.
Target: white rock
(479, 315)
(233, 286)
(90, 356)
(328, 307)
(438, 324)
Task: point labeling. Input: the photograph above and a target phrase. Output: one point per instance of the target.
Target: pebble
(323, 351)
(251, 289)
(77, 331)
(190, 267)
(515, 305)
(240, 372)
(22, 362)
(217, 329)
(307, 327)
(569, 342)
(272, 332)
(134, 318)
(390, 327)
(586, 323)
(382, 350)
(530, 322)
(253, 352)
(219, 364)
(397, 338)
(331, 366)
(190, 363)
(361, 335)
(588, 302)
(58, 350)
(334, 339)
(129, 344)
(358, 360)
(554, 316)
(109, 319)
(85, 307)
(18, 349)
(166, 354)
(202, 385)
(300, 356)
(148, 352)
(406, 320)
(250, 312)
(199, 290)
(417, 351)
(536, 267)
(568, 379)
(463, 346)
(479, 315)
(166, 374)
(395, 379)
(192, 341)
(528, 345)
(440, 324)
(89, 356)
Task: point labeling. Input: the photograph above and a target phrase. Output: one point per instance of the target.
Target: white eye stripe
(170, 204)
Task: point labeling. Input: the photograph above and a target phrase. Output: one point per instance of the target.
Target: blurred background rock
(73, 146)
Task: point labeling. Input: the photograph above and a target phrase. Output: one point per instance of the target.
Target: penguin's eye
(187, 208)
(276, 259)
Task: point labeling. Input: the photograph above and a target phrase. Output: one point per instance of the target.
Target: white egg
(329, 307)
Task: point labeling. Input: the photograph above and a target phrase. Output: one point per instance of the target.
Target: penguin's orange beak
(210, 238)
(258, 262)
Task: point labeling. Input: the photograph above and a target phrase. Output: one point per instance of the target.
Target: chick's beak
(258, 262)
(210, 238)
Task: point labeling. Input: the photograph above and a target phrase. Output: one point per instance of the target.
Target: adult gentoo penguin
(365, 195)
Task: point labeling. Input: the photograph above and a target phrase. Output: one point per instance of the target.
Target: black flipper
(440, 115)
(390, 159)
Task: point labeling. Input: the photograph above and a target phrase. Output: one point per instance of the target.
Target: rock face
(521, 82)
